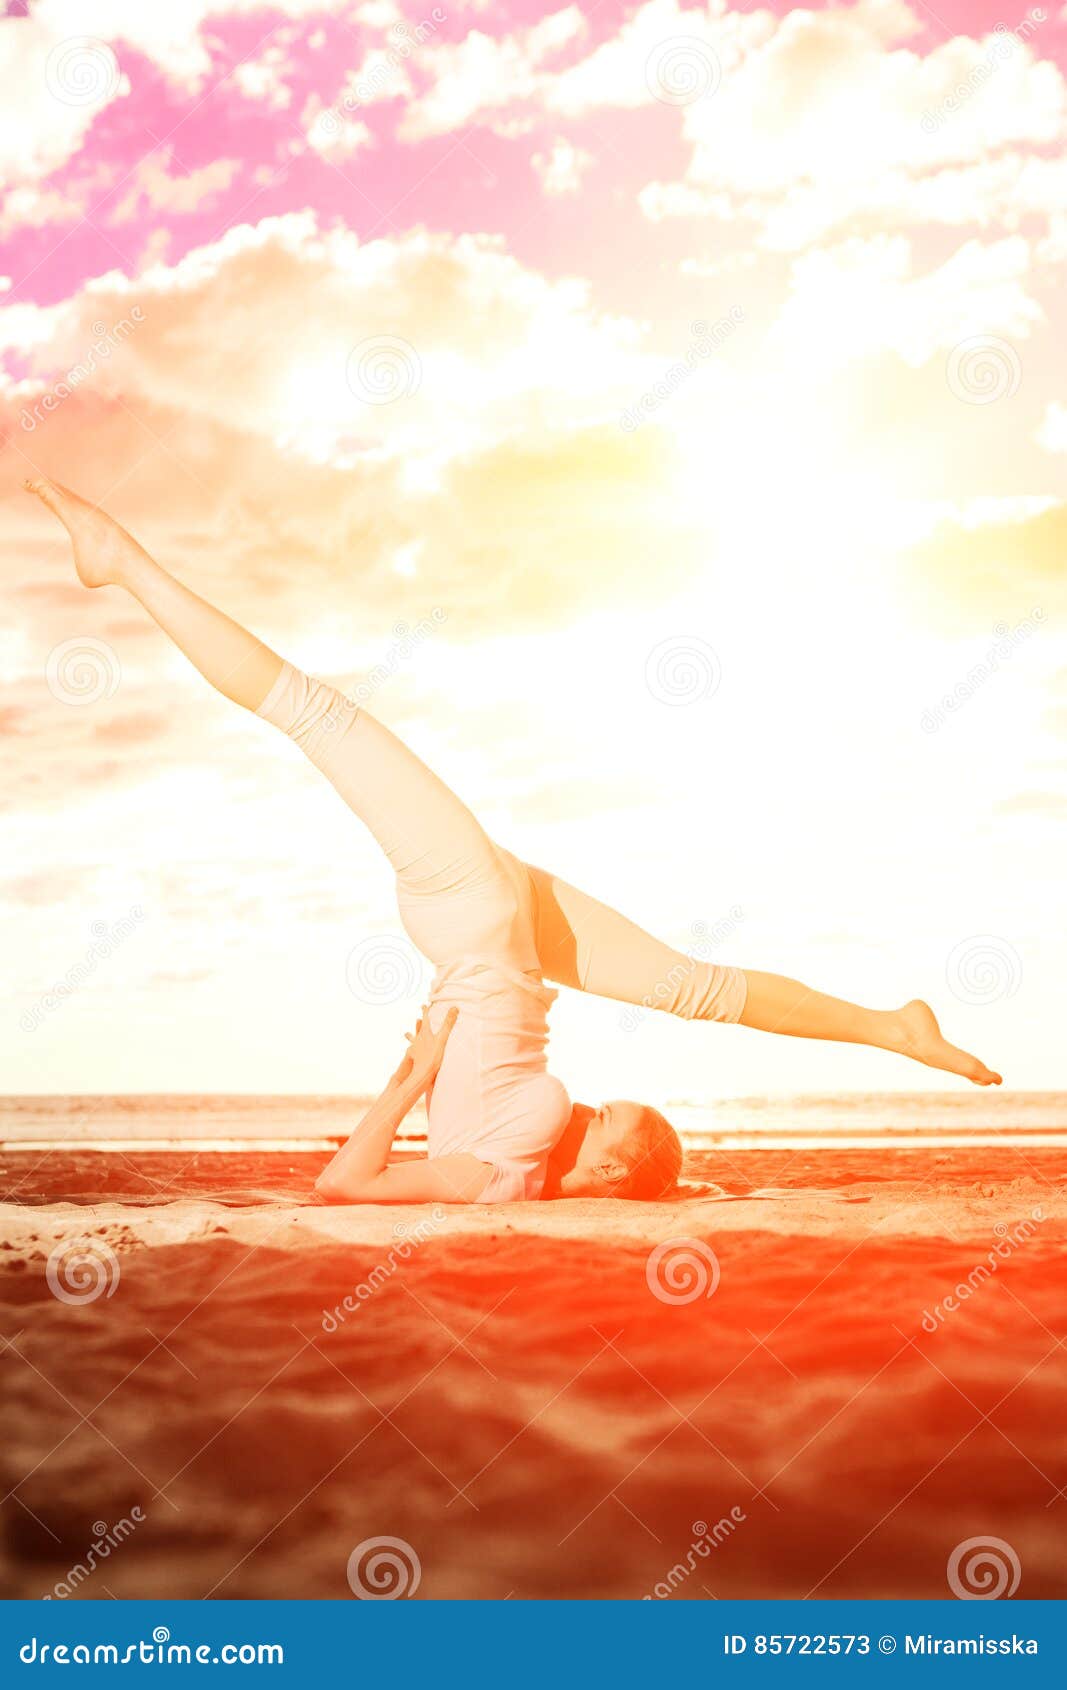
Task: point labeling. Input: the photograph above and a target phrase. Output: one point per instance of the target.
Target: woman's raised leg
(776, 1004)
(586, 944)
(227, 655)
(455, 893)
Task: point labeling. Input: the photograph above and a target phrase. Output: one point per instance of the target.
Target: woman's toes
(45, 491)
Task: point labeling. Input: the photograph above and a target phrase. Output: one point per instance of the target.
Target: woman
(501, 1128)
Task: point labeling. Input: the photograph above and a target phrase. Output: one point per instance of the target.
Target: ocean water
(858, 1120)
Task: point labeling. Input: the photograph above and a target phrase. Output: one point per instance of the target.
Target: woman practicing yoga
(501, 1128)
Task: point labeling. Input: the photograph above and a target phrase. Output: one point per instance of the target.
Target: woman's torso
(493, 1096)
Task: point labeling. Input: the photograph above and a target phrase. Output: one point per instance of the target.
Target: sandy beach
(820, 1381)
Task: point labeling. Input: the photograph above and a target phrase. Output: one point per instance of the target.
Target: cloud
(422, 346)
(560, 171)
(263, 79)
(14, 719)
(223, 428)
(1052, 433)
(770, 135)
(664, 54)
(1011, 569)
(173, 36)
(1047, 806)
(946, 136)
(156, 186)
(483, 76)
(55, 83)
(60, 69)
(330, 133)
(141, 727)
(39, 205)
(861, 297)
(45, 888)
(382, 76)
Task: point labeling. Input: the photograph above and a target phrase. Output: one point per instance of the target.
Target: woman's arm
(361, 1173)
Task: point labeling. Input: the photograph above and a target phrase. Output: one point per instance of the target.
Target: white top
(493, 1096)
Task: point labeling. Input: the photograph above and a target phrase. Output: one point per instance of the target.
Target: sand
(535, 1399)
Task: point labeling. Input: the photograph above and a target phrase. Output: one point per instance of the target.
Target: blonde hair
(653, 1154)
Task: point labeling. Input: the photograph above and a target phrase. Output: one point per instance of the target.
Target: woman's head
(626, 1150)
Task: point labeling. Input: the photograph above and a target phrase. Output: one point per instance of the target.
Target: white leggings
(462, 898)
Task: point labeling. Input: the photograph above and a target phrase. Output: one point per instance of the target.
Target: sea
(854, 1120)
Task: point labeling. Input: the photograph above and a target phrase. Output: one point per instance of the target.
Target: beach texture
(539, 1400)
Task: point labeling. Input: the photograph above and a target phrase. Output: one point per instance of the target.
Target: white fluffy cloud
(800, 123)
(155, 183)
(1052, 433)
(830, 116)
(422, 345)
(561, 169)
(59, 70)
(300, 401)
(54, 87)
(382, 76)
(31, 206)
(862, 297)
(172, 35)
(262, 79)
(331, 132)
(483, 76)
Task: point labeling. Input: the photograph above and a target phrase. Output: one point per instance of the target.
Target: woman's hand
(425, 1052)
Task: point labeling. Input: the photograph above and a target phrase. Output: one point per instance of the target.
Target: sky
(657, 412)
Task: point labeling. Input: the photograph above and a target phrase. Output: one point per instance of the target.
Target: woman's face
(601, 1166)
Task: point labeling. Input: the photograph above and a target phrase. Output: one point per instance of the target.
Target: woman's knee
(703, 991)
(314, 714)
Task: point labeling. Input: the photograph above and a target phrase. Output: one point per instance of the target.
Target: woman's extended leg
(456, 894)
(227, 655)
(586, 944)
(777, 1004)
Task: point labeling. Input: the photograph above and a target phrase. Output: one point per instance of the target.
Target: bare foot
(920, 1038)
(102, 550)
